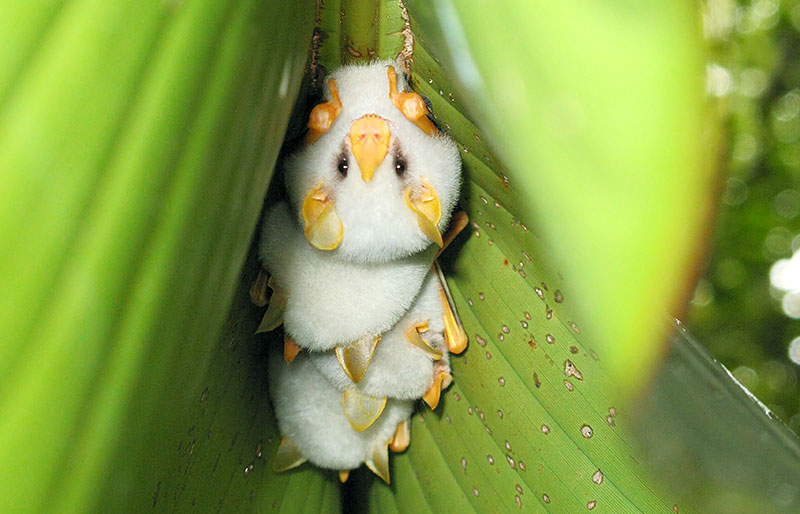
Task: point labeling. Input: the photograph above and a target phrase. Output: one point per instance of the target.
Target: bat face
(374, 186)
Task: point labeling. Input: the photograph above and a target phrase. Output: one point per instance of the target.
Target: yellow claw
(361, 410)
(344, 474)
(440, 382)
(369, 141)
(287, 456)
(274, 316)
(355, 359)
(323, 228)
(378, 462)
(410, 104)
(324, 114)
(424, 202)
(402, 437)
(413, 335)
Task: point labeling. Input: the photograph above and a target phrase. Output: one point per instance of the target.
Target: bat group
(351, 264)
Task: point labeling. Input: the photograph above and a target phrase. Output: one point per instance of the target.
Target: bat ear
(411, 104)
(425, 203)
(323, 228)
(324, 114)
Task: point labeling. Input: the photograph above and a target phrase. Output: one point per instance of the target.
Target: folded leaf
(137, 141)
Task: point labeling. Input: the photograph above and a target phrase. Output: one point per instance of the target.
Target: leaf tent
(137, 144)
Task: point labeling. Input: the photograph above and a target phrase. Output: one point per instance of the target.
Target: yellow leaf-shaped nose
(369, 140)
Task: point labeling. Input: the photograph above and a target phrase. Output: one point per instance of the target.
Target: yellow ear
(426, 205)
(323, 115)
(323, 228)
(411, 105)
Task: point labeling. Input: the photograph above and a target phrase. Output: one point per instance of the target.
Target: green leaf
(712, 440)
(598, 112)
(137, 140)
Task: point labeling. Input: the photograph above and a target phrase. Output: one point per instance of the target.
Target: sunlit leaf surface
(597, 111)
(137, 141)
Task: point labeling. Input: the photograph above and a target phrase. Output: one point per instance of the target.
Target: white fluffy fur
(378, 225)
(398, 369)
(333, 302)
(371, 284)
(309, 412)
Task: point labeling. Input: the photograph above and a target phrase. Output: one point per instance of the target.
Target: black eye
(343, 166)
(399, 165)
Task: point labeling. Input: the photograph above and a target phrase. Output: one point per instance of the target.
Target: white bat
(314, 427)
(409, 362)
(371, 192)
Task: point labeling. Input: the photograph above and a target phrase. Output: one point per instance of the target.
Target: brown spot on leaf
(571, 370)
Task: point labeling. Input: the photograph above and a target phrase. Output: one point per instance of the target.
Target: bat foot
(424, 202)
(323, 227)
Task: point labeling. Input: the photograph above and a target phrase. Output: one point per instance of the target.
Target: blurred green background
(747, 320)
